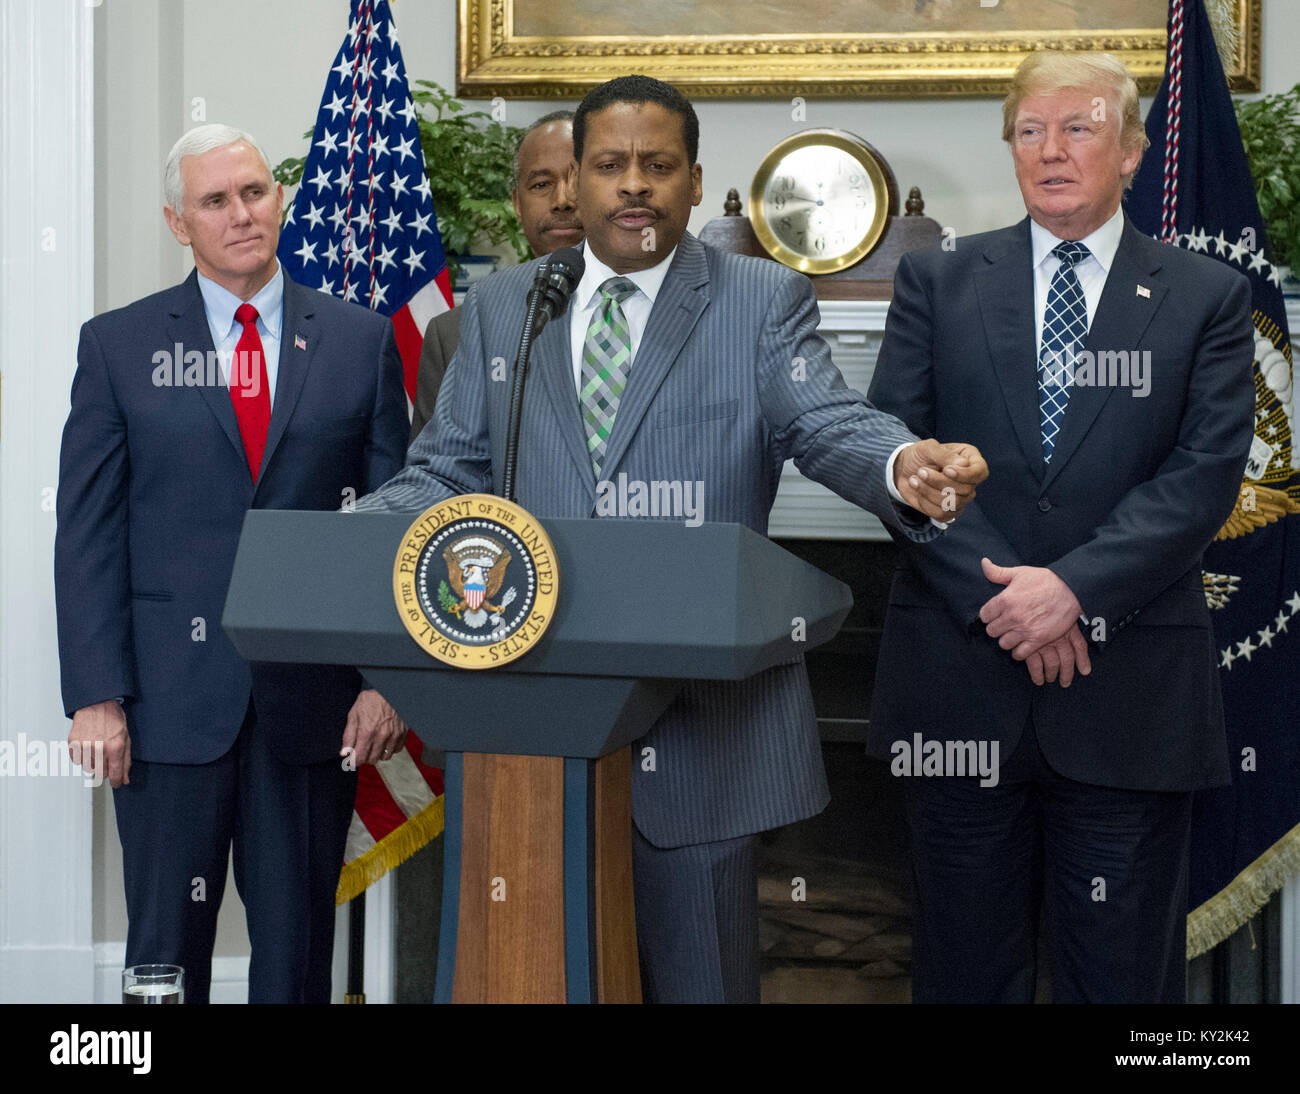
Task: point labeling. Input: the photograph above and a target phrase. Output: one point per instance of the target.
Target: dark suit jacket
(1136, 489)
(441, 337)
(716, 394)
(153, 488)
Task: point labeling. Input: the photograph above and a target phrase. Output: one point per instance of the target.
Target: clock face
(820, 202)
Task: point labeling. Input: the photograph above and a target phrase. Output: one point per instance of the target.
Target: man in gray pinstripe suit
(680, 363)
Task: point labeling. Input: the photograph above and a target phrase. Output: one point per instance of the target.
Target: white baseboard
(46, 974)
(229, 975)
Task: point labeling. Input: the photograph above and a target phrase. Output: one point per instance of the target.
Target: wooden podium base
(537, 892)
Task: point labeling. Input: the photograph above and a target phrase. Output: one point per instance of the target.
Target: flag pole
(356, 992)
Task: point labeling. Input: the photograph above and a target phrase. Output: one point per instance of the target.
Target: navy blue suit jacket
(1136, 489)
(153, 488)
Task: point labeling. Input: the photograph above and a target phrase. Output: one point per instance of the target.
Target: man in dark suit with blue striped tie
(680, 363)
(1107, 377)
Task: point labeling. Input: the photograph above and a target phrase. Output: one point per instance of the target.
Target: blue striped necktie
(1065, 325)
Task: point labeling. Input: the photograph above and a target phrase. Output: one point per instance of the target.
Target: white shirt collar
(220, 303)
(1103, 243)
(597, 273)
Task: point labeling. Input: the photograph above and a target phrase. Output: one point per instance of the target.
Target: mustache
(552, 225)
(631, 206)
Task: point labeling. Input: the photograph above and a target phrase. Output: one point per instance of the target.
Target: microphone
(556, 278)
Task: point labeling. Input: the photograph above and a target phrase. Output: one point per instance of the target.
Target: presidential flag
(362, 228)
(1194, 190)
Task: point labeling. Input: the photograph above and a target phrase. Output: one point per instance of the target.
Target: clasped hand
(1036, 617)
(939, 480)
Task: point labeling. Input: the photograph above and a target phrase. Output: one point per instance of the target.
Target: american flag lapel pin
(1144, 292)
(299, 342)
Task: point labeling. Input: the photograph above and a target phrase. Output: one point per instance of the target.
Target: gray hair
(200, 139)
(545, 119)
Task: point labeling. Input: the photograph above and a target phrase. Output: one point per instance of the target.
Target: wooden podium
(537, 897)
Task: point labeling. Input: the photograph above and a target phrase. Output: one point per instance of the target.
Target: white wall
(262, 67)
(167, 60)
(948, 147)
(46, 243)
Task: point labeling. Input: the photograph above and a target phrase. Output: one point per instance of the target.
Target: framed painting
(843, 48)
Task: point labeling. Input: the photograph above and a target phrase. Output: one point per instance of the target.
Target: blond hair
(1047, 71)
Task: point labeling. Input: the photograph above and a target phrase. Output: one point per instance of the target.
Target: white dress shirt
(636, 308)
(219, 305)
(1092, 271)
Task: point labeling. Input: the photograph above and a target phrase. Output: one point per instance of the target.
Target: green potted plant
(1270, 131)
(469, 162)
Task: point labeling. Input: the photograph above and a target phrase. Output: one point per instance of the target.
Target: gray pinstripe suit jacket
(730, 380)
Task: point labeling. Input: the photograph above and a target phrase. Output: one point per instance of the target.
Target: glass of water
(153, 984)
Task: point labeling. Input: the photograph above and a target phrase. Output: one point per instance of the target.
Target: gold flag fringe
(1241, 898)
(394, 849)
(1223, 24)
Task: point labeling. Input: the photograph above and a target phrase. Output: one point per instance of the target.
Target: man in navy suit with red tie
(236, 389)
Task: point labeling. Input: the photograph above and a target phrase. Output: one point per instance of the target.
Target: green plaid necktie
(606, 358)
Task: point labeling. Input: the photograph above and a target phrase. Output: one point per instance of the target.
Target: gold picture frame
(541, 49)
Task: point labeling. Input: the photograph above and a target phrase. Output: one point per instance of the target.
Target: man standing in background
(237, 389)
(544, 202)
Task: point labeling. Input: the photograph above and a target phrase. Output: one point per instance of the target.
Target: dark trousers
(697, 921)
(1108, 867)
(286, 823)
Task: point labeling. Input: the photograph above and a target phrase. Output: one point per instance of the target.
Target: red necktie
(249, 390)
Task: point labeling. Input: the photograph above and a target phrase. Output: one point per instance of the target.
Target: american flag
(362, 226)
(398, 810)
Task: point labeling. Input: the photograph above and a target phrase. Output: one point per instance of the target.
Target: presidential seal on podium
(476, 581)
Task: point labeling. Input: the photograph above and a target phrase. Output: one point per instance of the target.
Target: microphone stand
(517, 393)
(554, 282)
